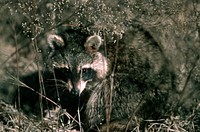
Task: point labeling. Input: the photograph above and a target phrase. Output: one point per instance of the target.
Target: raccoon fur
(129, 78)
(114, 81)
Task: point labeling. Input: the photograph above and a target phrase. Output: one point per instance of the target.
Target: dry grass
(13, 120)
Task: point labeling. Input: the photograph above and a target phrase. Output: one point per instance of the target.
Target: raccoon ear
(93, 43)
(55, 41)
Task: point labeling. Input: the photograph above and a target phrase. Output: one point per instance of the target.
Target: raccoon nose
(75, 91)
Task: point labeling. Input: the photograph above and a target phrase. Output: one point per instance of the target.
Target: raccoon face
(77, 61)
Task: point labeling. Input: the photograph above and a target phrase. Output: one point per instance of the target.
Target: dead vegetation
(13, 120)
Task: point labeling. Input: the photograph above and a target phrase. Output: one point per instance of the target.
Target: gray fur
(132, 80)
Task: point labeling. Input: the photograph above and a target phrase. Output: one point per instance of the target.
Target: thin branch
(17, 72)
(187, 80)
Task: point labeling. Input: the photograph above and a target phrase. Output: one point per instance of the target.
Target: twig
(17, 59)
(26, 86)
(133, 114)
(187, 80)
(109, 103)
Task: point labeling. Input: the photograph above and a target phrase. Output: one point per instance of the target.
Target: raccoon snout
(79, 87)
(75, 91)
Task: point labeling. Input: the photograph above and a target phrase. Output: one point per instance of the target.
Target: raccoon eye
(85, 70)
(88, 73)
(59, 69)
(66, 70)
(62, 72)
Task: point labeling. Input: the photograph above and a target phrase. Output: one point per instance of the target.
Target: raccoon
(112, 81)
(72, 66)
(124, 78)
